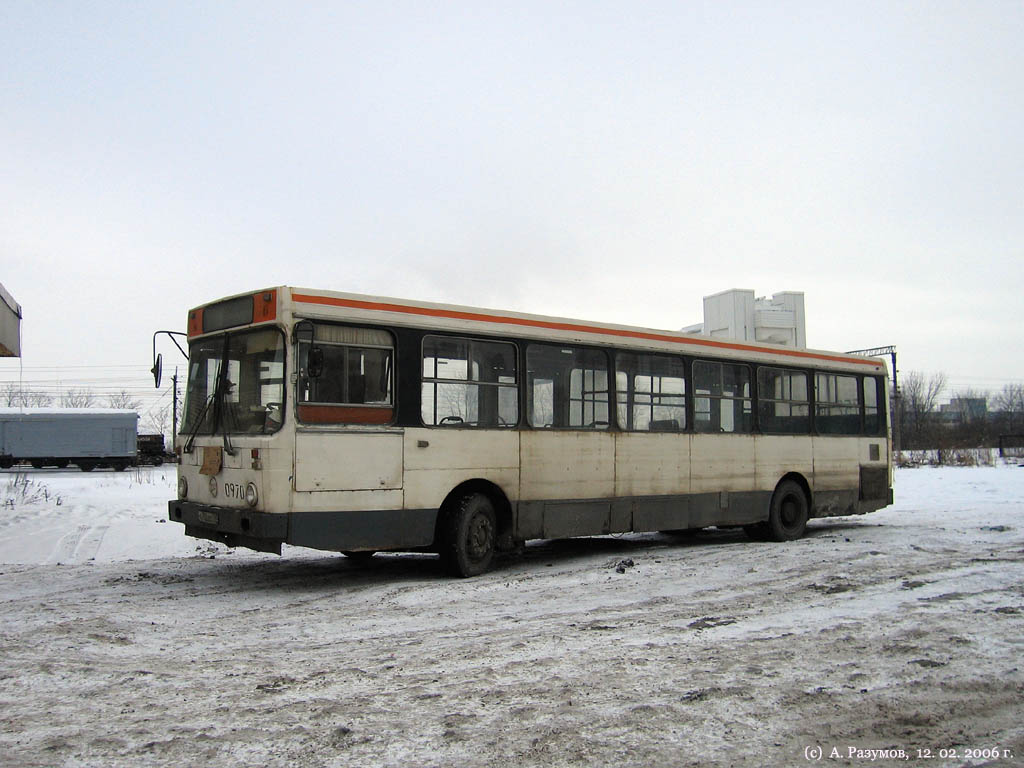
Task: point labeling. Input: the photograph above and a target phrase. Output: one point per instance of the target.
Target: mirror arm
(173, 336)
(181, 349)
(157, 368)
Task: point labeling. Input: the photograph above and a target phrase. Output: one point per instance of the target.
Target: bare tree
(919, 397)
(123, 400)
(14, 396)
(972, 427)
(38, 399)
(11, 395)
(159, 420)
(78, 398)
(1010, 402)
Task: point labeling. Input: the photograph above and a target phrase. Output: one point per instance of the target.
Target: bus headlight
(213, 487)
(182, 488)
(251, 496)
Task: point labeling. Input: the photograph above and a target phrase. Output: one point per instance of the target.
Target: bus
(361, 424)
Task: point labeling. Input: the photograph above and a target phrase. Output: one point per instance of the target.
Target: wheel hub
(480, 536)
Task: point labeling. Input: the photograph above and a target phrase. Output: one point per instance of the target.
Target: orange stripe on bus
(264, 306)
(454, 314)
(195, 322)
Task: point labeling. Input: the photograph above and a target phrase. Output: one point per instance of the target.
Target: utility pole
(174, 408)
(897, 407)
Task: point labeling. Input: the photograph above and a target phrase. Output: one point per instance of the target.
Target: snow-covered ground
(124, 643)
(67, 516)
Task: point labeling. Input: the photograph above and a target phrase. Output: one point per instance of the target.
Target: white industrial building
(738, 314)
(10, 325)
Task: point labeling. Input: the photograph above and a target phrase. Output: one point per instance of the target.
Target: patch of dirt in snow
(886, 632)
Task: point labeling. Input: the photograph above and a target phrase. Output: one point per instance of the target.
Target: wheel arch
(498, 498)
(800, 480)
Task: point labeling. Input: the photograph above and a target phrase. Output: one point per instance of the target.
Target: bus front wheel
(469, 535)
(787, 516)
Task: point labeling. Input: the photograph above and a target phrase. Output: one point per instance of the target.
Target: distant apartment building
(738, 314)
(10, 325)
(963, 410)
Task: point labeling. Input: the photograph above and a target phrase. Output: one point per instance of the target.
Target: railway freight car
(58, 437)
(152, 450)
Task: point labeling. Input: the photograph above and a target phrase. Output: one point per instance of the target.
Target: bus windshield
(235, 384)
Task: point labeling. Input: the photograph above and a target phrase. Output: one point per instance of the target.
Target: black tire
(361, 556)
(469, 533)
(86, 466)
(119, 466)
(788, 513)
(63, 464)
(37, 464)
(756, 531)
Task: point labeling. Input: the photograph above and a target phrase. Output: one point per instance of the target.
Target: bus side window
(345, 376)
(721, 397)
(568, 387)
(783, 402)
(650, 392)
(837, 409)
(469, 383)
(872, 421)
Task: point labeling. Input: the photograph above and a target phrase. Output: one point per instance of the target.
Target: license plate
(210, 518)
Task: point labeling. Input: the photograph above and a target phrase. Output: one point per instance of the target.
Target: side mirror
(158, 360)
(315, 363)
(158, 370)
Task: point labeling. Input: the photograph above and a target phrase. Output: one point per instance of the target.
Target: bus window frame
(809, 403)
(607, 353)
(830, 404)
(471, 339)
(881, 410)
(339, 413)
(750, 397)
(686, 395)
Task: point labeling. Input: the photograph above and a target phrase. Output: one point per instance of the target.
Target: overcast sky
(607, 161)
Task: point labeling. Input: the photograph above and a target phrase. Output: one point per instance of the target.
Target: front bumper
(261, 531)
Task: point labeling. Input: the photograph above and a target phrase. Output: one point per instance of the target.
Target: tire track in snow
(68, 543)
(79, 545)
(90, 543)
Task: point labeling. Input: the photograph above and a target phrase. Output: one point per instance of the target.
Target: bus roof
(311, 303)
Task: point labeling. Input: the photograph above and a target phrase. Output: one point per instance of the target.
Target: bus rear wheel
(787, 516)
(469, 535)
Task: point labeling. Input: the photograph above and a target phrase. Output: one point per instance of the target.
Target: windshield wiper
(221, 416)
(216, 399)
(199, 422)
(218, 390)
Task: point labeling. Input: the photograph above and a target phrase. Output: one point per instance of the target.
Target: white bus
(360, 424)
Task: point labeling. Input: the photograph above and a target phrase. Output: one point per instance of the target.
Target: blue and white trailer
(58, 437)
